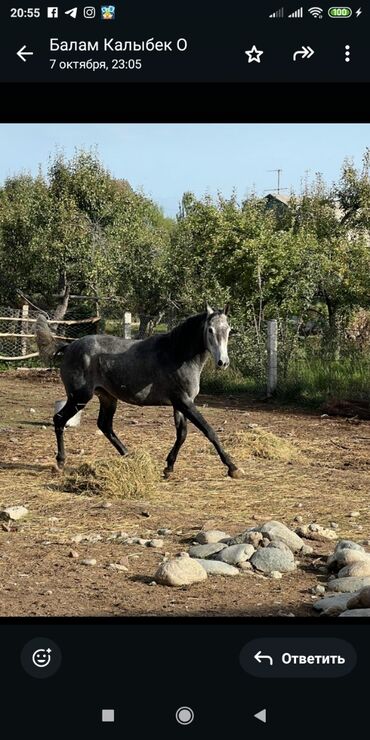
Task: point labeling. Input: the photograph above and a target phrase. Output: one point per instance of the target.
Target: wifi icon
(316, 12)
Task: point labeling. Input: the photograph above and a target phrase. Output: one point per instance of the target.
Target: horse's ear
(227, 308)
(209, 309)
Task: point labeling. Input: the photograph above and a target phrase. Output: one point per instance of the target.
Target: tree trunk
(143, 326)
(333, 336)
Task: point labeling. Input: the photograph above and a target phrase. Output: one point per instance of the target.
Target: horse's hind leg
(181, 432)
(75, 402)
(108, 405)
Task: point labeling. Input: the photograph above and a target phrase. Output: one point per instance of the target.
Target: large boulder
(339, 602)
(350, 584)
(180, 572)
(362, 568)
(235, 554)
(278, 531)
(210, 536)
(360, 600)
(205, 551)
(348, 545)
(268, 559)
(216, 568)
(356, 613)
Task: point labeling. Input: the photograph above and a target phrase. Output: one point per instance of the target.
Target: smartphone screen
(184, 369)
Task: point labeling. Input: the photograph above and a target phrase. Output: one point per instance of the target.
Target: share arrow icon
(305, 53)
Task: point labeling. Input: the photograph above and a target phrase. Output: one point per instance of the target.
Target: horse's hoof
(236, 473)
(167, 472)
(56, 469)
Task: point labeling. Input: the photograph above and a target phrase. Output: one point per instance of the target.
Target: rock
(298, 519)
(210, 536)
(106, 505)
(319, 589)
(216, 568)
(246, 565)
(348, 545)
(13, 513)
(280, 544)
(180, 572)
(307, 550)
(276, 574)
(32, 411)
(340, 601)
(272, 558)
(354, 514)
(340, 558)
(356, 613)
(333, 525)
(265, 542)
(278, 531)
(164, 532)
(78, 538)
(350, 584)
(88, 561)
(253, 538)
(235, 554)
(361, 568)
(316, 532)
(249, 537)
(360, 600)
(117, 566)
(73, 554)
(205, 551)
(155, 543)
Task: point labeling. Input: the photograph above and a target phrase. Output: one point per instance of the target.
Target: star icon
(254, 55)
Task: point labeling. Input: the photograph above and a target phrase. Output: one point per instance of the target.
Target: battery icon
(339, 12)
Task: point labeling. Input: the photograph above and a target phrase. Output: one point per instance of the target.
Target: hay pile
(257, 442)
(133, 476)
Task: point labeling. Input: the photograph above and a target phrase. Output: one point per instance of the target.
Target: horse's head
(216, 336)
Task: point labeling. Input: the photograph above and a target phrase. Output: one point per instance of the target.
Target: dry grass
(133, 476)
(258, 442)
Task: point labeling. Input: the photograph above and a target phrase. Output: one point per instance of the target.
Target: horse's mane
(188, 335)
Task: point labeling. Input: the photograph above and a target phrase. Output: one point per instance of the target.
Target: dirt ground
(329, 481)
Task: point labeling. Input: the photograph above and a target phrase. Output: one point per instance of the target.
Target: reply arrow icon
(23, 54)
(305, 53)
(259, 658)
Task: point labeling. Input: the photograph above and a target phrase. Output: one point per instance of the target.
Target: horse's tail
(48, 347)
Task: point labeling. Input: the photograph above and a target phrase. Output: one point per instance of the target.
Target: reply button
(305, 657)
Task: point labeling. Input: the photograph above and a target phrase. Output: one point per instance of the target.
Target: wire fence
(17, 331)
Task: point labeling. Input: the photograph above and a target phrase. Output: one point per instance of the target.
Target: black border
(184, 102)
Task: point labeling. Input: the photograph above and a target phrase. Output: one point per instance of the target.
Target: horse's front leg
(181, 432)
(190, 411)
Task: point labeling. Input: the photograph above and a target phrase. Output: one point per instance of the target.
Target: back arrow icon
(259, 658)
(22, 53)
(305, 53)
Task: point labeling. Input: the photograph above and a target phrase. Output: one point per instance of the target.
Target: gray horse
(162, 370)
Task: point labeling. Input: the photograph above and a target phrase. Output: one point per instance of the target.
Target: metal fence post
(127, 325)
(271, 357)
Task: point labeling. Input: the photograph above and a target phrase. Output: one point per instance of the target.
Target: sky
(166, 160)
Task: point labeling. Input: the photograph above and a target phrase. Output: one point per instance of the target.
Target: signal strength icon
(316, 12)
(297, 13)
(278, 13)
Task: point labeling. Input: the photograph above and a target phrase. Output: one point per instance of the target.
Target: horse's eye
(210, 330)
